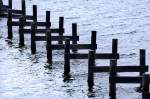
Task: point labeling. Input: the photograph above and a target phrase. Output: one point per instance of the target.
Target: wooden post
(67, 58)
(21, 34)
(10, 4)
(93, 40)
(145, 86)
(34, 13)
(112, 82)
(10, 34)
(1, 5)
(114, 47)
(48, 23)
(23, 8)
(74, 34)
(48, 46)
(61, 27)
(142, 62)
(33, 43)
(91, 65)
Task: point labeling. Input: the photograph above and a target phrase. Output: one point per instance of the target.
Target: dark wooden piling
(67, 58)
(33, 42)
(93, 40)
(34, 13)
(91, 64)
(48, 46)
(142, 62)
(61, 27)
(1, 6)
(145, 86)
(74, 34)
(21, 34)
(112, 83)
(23, 7)
(10, 4)
(10, 34)
(48, 23)
(114, 47)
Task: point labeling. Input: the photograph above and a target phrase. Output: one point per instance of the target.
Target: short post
(142, 62)
(10, 4)
(48, 46)
(10, 34)
(61, 27)
(33, 43)
(21, 34)
(48, 23)
(34, 13)
(93, 40)
(67, 58)
(91, 65)
(74, 34)
(112, 82)
(114, 47)
(23, 7)
(145, 86)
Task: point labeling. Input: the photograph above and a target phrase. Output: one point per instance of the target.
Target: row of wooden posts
(24, 21)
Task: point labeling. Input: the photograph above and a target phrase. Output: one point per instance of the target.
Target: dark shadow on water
(9, 42)
(48, 66)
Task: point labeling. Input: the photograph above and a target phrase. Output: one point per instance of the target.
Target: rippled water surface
(24, 76)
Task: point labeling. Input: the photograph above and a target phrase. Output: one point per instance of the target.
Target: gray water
(24, 76)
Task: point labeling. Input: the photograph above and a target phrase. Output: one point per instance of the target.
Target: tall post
(23, 8)
(9, 21)
(48, 23)
(114, 47)
(1, 5)
(61, 27)
(112, 82)
(142, 62)
(10, 4)
(33, 42)
(145, 86)
(91, 65)
(93, 40)
(48, 46)
(74, 34)
(21, 33)
(67, 58)
(34, 13)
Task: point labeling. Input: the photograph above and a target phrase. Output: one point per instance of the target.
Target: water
(24, 76)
